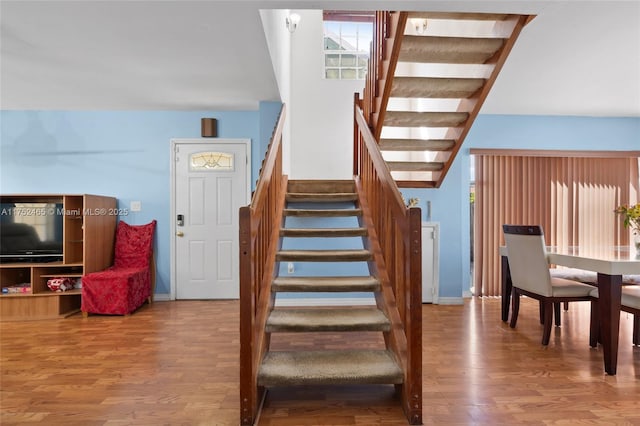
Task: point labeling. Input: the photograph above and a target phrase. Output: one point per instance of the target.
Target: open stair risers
(321, 203)
(434, 73)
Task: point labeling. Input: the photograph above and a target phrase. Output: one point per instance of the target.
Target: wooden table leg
(506, 288)
(610, 292)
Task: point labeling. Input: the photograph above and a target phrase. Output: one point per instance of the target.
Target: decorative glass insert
(211, 161)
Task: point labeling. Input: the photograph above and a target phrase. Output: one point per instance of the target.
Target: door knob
(179, 234)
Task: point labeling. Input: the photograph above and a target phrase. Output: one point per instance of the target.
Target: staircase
(429, 74)
(330, 231)
(326, 209)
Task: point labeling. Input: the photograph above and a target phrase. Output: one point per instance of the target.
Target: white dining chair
(529, 266)
(630, 302)
(586, 277)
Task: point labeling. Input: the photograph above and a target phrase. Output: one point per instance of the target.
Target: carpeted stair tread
(327, 319)
(435, 87)
(425, 119)
(329, 368)
(414, 166)
(323, 186)
(325, 284)
(448, 50)
(322, 212)
(417, 144)
(323, 232)
(323, 255)
(320, 197)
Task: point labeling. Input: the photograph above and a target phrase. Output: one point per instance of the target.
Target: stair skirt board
(331, 367)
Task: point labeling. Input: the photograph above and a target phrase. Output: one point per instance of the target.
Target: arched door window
(211, 161)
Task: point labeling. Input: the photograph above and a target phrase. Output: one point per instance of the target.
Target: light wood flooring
(176, 363)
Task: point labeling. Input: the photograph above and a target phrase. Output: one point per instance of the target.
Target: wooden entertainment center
(89, 224)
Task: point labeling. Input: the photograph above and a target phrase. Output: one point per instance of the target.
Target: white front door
(210, 184)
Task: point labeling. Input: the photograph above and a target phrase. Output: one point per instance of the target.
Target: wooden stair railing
(385, 49)
(260, 223)
(395, 240)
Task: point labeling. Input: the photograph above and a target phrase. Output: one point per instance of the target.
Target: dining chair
(529, 266)
(586, 277)
(630, 302)
(574, 274)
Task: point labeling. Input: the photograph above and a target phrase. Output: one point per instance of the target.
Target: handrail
(259, 238)
(395, 240)
(388, 29)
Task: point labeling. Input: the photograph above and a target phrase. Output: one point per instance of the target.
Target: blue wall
(450, 203)
(124, 154)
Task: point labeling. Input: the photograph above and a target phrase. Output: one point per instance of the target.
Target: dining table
(610, 264)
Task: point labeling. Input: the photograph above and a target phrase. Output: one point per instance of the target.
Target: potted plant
(631, 219)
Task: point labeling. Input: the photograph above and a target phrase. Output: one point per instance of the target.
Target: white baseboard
(467, 294)
(450, 301)
(324, 301)
(161, 297)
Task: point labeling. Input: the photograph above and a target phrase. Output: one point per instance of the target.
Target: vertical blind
(572, 198)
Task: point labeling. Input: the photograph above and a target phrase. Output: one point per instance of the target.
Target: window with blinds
(573, 198)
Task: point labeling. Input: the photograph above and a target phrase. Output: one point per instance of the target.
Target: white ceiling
(575, 58)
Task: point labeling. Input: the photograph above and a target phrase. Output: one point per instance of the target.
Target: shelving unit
(88, 237)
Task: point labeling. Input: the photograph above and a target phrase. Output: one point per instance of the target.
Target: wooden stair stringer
(395, 339)
(478, 101)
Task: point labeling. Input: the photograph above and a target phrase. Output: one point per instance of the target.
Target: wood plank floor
(176, 363)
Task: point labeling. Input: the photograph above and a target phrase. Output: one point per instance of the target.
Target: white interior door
(210, 185)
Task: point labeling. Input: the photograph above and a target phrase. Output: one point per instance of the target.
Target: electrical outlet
(136, 206)
(290, 268)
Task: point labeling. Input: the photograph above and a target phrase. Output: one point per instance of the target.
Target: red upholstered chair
(125, 286)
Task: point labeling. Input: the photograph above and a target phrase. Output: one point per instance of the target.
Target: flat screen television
(31, 232)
